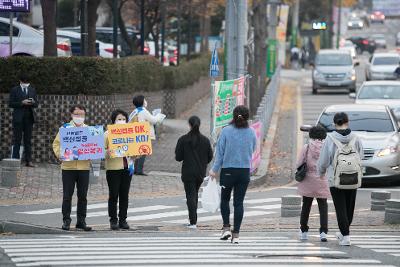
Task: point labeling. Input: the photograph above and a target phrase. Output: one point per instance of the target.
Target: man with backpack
(340, 160)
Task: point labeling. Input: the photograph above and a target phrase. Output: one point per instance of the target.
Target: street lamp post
(339, 26)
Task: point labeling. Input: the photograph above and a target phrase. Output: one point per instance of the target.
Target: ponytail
(241, 116)
(194, 133)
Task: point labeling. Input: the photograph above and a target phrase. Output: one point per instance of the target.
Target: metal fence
(267, 105)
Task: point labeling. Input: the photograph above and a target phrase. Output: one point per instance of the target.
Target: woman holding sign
(74, 172)
(234, 152)
(119, 179)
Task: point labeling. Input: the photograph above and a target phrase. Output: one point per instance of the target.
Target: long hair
(194, 133)
(241, 116)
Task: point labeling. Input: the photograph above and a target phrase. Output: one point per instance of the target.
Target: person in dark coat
(194, 149)
(23, 100)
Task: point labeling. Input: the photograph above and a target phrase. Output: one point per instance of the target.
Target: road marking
(58, 210)
(218, 217)
(261, 200)
(131, 210)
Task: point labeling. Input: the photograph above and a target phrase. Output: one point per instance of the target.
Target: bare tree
(49, 27)
(92, 19)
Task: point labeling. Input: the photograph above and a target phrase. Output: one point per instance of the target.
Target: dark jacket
(15, 102)
(195, 159)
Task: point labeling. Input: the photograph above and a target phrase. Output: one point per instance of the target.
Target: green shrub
(98, 76)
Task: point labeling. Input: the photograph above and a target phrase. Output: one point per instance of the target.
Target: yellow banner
(131, 139)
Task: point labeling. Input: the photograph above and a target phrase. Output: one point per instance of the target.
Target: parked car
(380, 40)
(349, 46)
(380, 92)
(382, 66)
(398, 39)
(103, 49)
(377, 17)
(334, 69)
(378, 130)
(27, 41)
(355, 23)
(363, 44)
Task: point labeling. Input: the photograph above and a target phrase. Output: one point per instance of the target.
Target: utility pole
(142, 27)
(163, 10)
(242, 31)
(295, 22)
(115, 28)
(178, 56)
(330, 23)
(273, 21)
(339, 26)
(84, 28)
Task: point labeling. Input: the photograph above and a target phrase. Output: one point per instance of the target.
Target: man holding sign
(75, 145)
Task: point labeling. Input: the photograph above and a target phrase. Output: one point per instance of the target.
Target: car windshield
(333, 60)
(365, 121)
(380, 92)
(386, 61)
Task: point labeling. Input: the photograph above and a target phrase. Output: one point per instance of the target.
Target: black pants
(23, 130)
(192, 197)
(323, 214)
(69, 179)
(236, 179)
(139, 164)
(119, 182)
(344, 201)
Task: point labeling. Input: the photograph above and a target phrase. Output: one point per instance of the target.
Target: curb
(26, 228)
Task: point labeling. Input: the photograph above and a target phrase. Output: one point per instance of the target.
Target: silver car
(380, 92)
(334, 69)
(382, 66)
(378, 130)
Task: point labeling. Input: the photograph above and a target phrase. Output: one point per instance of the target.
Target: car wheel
(352, 90)
(314, 91)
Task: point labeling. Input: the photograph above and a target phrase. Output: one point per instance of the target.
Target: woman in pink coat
(313, 186)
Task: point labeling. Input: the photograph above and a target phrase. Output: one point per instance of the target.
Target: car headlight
(352, 75)
(387, 151)
(349, 24)
(360, 24)
(318, 75)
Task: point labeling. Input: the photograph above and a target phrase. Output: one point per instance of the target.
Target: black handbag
(302, 170)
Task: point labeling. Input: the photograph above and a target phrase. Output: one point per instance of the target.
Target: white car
(380, 93)
(349, 46)
(382, 66)
(380, 40)
(105, 50)
(27, 41)
(152, 51)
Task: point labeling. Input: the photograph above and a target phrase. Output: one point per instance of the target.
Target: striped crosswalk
(389, 244)
(208, 250)
(170, 214)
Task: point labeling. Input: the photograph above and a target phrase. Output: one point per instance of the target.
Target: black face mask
(344, 132)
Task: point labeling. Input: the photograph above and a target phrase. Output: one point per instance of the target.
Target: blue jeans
(139, 164)
(236, 179)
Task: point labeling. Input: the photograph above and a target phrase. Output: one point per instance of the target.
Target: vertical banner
(256, 159)
(238, 90)
(82, 143)
(131, 139)
(271, 57)
(281, 31)
(224, 103)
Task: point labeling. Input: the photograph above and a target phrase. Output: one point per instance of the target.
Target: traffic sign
(214, 68)
(14, 5)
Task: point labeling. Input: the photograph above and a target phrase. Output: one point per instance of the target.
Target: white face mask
(78, 120)
(145, 104)
(25, 85)
(120, 122)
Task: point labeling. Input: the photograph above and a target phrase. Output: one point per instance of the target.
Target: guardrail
(267, 105)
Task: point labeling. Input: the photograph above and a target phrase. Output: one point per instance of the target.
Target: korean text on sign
(132, 139)
(82, 143)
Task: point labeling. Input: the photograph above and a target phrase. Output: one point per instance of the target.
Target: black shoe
(124, 225)
(83, 226)
(66, 225)
(141, 174)
(114, 226)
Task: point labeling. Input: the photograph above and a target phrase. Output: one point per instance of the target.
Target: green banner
(225, 102)
(271, 57)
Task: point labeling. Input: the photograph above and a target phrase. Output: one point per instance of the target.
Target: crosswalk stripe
(162, 215)
(58, 210)
(267, 207)
(131, 210)
(261, 200)
(218, 217)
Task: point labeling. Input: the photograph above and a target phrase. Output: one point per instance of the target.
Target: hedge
(98, 76)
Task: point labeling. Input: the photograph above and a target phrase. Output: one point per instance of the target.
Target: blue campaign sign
(214, 68)
(82, 143)
(14, 5)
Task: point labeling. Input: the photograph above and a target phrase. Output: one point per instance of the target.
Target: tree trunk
(189, 34)
(204, 24)
(259, 61)
(49, 27)
(92, 19)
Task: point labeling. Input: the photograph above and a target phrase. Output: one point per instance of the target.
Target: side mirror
(305, 128)
(352, 95)
(357, 63)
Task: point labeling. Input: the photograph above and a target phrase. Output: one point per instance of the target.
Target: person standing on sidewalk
(236, 145)
(118, 179)
(23, 100)
(141, 114)
(74, 172)
(194, 149)
(313, 185)
(343, 199)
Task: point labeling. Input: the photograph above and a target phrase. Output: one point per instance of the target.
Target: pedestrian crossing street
(206, 250)
(172, 214)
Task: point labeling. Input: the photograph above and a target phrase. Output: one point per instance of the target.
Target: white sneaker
(235, 240)
(323, 237)
(303, 235)
(345, 241)
(226, 234)
(191, 226)
(339, 236)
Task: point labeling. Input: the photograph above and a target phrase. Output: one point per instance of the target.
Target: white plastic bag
(210, 197)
